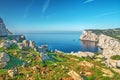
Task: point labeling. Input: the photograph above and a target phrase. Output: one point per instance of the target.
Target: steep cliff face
(109, 44)
(89, 36)
(3, 30)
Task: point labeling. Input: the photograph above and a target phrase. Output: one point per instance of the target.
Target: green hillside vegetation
(56, 68)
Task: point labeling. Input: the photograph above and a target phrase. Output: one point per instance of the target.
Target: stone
(100, 56)
(107, 72)
(20, 45)
(44, 56)
(12, 72)
(118, 64)
(84, 54)
(116, 70)
(31, 44)
(42, 48)
(21, 38)
(4, 58)
(74, 75)
(25, 43)
(85, 63)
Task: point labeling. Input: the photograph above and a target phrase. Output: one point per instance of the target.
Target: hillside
(110, 32)
(25, 63)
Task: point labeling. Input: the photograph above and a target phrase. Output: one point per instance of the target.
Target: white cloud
(45, 6)
(27, 8)
(88, 1)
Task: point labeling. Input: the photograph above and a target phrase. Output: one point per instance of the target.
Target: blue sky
(59, 15)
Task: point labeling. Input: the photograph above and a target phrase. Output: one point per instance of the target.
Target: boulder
(84, 54)
(31, 44)
(25, 43)
(6, 44)
(42, 48)
(112, 63)
(4, 58)
(75, 76)
(12, 72)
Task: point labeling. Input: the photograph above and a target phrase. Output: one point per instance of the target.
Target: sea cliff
(3, 30)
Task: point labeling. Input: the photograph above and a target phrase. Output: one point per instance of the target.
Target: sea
(66, 41)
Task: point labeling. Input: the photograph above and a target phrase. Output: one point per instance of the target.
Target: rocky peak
(3, 30)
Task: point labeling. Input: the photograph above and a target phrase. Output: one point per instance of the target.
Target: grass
(116, 57)
(54, 69)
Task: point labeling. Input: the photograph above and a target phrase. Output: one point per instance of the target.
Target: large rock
(42, 48)
(84, 54)
(7, 43)
(26, 44)
(4, 58)
(112, 63)
(75, 76)
(89, 36)
(12, 72)
(3, 30)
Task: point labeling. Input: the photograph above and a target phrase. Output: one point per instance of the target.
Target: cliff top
(115, 33)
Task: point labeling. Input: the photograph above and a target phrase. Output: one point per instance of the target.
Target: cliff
(109, 44)
(89, 36)
(106, 43)
(3, 30)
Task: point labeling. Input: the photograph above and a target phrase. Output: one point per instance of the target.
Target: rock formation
(109, 45)
(3, 30)
(4, 58)
(89, 36)
(75, 76)
(83, 54)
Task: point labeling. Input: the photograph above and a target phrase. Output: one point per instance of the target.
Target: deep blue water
(63, 41)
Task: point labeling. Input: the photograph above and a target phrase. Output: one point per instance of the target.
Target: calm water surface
(63, 41)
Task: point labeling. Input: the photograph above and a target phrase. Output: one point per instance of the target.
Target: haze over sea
(65, 41)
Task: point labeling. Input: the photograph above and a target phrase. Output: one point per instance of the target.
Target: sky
(59, 15)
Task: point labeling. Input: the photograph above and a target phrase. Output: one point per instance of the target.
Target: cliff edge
(3, 30)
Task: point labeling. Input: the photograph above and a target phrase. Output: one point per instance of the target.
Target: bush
(116, 57)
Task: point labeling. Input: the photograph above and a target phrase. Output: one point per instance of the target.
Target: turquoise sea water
(63, 41)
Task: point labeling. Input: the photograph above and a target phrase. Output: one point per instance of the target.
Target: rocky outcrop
(4, 58)
(6, 44)
(89, 36)
(12, 72)
(109, 45)
(83, 54)
(26, 44)
(3, 30)
(42, 48)
(112, 63)
(75, 76)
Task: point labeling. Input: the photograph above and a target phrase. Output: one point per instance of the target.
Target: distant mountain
(3, 30)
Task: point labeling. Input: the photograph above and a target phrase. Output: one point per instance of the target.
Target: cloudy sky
(59, 15)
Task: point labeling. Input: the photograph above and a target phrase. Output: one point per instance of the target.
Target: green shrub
(116, 57)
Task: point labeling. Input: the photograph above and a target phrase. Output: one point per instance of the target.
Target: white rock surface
(89, 36)
(4, 58)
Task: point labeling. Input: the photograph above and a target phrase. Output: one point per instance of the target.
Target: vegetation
(56, 68)
(116, 57)
(110, 32)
